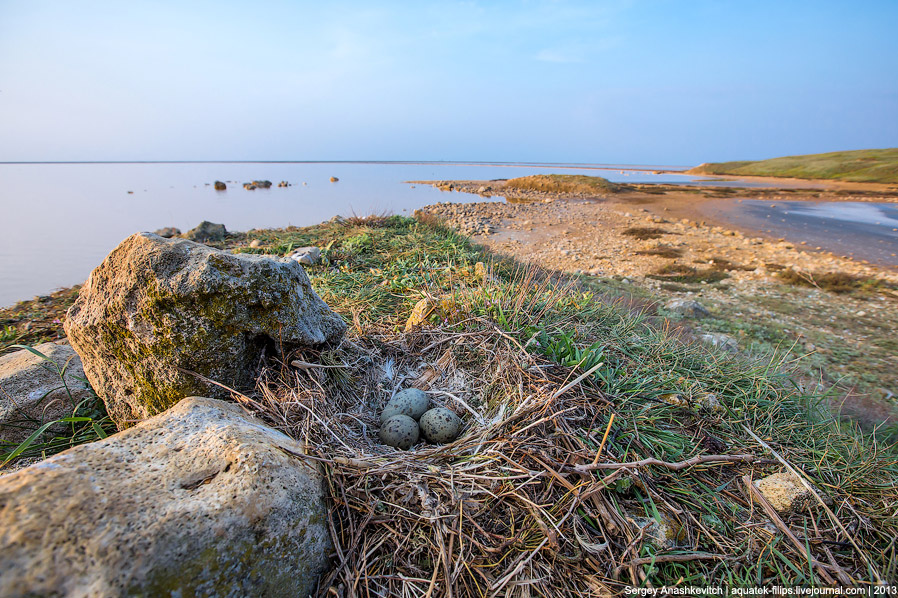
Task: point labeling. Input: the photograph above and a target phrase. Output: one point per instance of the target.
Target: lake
(61, 220)
(864, 231)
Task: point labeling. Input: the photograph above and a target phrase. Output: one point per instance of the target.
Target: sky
(611, 81)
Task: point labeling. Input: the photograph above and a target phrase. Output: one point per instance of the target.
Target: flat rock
(201, 500)
(157, 309)
(721, 341)
(687, 307)
(34, 392)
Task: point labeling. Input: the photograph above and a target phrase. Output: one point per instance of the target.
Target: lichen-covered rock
(220, 186)
(207, 231)
(34, 391)
(157, 309)
(199, 501)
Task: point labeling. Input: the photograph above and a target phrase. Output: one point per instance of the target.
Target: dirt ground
(660, 243)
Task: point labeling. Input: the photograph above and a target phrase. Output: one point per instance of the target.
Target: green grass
(375, 283)
(376, 269)
(862, 166)
(563, 183)
(87, 422)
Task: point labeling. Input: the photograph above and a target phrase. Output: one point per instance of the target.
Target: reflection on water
(62, 219)
(866, 231)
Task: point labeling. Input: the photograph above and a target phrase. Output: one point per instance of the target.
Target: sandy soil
(844, 341)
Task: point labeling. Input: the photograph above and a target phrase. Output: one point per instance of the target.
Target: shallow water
(866, 231)
(61, 220)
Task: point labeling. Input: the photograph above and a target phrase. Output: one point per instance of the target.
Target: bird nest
(526, 501)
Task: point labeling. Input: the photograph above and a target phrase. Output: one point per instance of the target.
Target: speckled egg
(440, 425)
(399, 431)
(411, 402)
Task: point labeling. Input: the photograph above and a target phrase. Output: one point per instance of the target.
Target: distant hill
(860, 166)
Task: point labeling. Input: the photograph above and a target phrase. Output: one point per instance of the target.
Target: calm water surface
(867, 231)
(61, 220)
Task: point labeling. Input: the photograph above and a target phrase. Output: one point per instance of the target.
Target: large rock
(157, 307)
(34, 391)
(199, 501)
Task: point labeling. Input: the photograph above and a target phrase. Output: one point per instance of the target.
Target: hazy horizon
(620, 82)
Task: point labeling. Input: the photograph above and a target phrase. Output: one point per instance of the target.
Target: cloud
(557, 55)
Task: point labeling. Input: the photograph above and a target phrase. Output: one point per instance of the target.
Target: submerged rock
(33, 390)
(157, 309)
(202, 500)
(207, 231)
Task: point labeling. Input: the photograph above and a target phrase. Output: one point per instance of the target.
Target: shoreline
(702, 206)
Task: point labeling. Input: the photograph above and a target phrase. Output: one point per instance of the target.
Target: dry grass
(662, 251)
(644, 233)
(564, 183)
(834, 282)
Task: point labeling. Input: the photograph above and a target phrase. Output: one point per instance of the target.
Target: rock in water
(207, 231)
(202, 500)
(156, 307)
(32, 391)
(219, 186)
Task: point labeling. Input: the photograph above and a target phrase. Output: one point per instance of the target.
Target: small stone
(168, 232)
(255, 243)
(785, 492)
(687, 307)
(220, 186)
(207, 231)
(307, 256)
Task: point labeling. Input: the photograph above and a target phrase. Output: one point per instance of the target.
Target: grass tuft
(564, 183)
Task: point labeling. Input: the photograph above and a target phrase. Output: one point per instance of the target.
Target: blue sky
(640, 81)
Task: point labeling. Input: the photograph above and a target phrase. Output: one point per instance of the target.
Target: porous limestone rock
(33, 390)
(202, 500)
(785, 492)
(157, 309)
